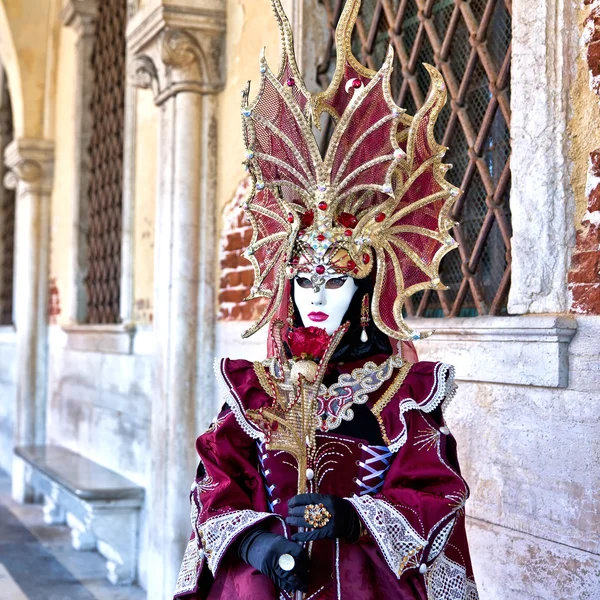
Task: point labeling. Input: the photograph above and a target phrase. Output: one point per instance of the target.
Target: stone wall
(99, 405)
(530, 456)
(7, 396)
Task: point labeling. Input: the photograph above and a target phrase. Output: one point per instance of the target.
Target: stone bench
(101, 508)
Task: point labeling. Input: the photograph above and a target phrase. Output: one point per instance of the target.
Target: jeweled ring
(316, 515)
(287, 562)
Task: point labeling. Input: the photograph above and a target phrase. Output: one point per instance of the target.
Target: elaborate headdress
(378, 199)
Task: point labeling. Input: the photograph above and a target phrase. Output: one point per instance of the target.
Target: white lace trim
(360, 383)
(447, 580)
(442, 392)
(440, 541)
(229, 395)
(218, 533)
(190, 568)
(399, 543)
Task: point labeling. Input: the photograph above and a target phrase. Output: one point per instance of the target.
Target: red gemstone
(380, 218)
(291, 82)
(290, 218)
(322, 205)
(356, 83)
(366, 259)
(321, 237)
(356, 271)
(348, 232)
(351, 265)
(347, 220)
(320, 269)
(301, 233)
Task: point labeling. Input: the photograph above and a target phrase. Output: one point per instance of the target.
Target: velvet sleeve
(412, 516)
(231, 494)
(228, 498)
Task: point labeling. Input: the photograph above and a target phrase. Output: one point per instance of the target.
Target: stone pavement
(37, 561)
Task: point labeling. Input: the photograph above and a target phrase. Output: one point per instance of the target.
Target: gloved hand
(262, 550)
(343, 523)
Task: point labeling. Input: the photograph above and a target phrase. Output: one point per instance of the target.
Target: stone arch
(10, 62)
(27, 52)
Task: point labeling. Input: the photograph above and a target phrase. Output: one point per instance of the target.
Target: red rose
(308, 342)
(347, 220)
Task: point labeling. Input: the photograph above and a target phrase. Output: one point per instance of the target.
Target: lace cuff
(218, 533)
(447, 579)
(399, 543)
(191, 567)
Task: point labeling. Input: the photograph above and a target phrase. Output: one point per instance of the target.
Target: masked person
(330, 472)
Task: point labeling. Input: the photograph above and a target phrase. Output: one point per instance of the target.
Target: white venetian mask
(324, 306)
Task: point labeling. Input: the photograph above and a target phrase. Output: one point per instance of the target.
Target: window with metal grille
(106, 163)
(7, 216)
(469, 41)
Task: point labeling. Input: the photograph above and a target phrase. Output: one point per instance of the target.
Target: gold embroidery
(387, 396)
(264, 380)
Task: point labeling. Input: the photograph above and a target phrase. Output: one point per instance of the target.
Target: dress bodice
(341, 465)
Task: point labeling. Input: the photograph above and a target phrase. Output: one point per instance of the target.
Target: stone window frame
(544, 47)
(118, 338)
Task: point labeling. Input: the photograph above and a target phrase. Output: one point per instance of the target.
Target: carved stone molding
(30, 165)
(81, 15)
(177, 48)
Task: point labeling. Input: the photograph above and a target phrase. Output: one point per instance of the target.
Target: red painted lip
(318, 317)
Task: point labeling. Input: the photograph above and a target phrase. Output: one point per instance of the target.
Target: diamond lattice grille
(106, 159)
(470, 43)
(7, 222)
(7, 218)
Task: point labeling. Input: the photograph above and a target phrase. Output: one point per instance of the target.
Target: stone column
(177, 53)
(81, 16)
(544, 51)
(30, 162)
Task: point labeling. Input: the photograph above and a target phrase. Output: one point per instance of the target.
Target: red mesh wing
(277, 137)
(339, 100)
(416, 230)
(362, 150)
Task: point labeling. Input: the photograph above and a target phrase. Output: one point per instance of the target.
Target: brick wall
(584, 278)
(237, 275)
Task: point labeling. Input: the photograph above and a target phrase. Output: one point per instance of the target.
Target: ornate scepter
(291, 422)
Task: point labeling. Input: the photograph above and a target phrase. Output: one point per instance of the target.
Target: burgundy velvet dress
(401, 475)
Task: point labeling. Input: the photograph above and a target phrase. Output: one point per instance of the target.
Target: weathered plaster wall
(530, 456)
(146, 174)
(7, 397)
(63, 200)
(99, 405)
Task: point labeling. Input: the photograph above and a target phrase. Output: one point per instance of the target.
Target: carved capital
(80, 15)
(177, 49)
(30, 164)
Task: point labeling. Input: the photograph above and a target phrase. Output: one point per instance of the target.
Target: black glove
(343, 523)
(262, 550)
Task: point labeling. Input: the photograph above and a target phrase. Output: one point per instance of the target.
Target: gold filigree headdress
(377, 199)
